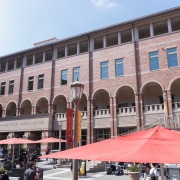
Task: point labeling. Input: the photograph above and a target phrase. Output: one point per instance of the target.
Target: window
(119, 67)
(40, 81)
(19, 63)
(11, 65)
(29, 60)
(30, 83)
(172, 57)
(104, 70)
(64, 74)
(76, 74)
(11, 86)
(101, 134)
(3, 86)
(154, 60)
(3, 66)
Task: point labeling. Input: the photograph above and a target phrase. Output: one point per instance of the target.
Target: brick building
(130, 71)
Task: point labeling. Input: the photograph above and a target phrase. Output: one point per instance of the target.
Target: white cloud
(103, 3)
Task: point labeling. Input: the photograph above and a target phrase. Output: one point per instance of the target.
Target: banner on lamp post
(69, 126)
(79, 126)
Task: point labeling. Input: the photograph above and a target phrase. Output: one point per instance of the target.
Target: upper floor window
(119, 67)
(30, 83)
(40, 81)
(11, 64)
(3, 87)
(11, 86)
(154, 60)
(3, 66)
(76, 74)
(64, 74)
(104, 70)
(172, 57)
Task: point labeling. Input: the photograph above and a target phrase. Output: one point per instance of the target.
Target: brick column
(90, 122)
(169, 109)
(17, 111)
(139, 111)
(115, 117)
(3, 113)
(33, 110)
(111, 100)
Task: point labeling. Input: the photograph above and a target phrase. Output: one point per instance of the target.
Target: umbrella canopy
(158, 145)
(13, 141)
(50, 140)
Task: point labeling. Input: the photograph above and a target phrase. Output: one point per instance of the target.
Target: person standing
(30, 173)
(153, 174)
(47, 152)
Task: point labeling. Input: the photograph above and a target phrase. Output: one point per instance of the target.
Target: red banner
(69, 116)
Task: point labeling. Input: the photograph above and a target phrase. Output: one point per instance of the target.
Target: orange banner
(79, 126)
(69, 126)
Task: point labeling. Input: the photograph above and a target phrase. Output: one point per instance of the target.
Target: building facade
(131, 73)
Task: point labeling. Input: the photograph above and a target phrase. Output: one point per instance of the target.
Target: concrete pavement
(65, 174)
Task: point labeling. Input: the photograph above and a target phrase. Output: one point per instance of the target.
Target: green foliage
(134, 168)
(2, 170)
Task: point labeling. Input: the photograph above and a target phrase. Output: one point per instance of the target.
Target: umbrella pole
(162, 171)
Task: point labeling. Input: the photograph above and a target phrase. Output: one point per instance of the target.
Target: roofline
(95, 31)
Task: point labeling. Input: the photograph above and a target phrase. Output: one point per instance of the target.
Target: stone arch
(174, 87)
(11, 109)
(128, 85)
(125, 96)
(26, 107)
(83, 103)
(152, 93)
(101, 99)
(42, 105)
(60, 104)
(150, 82)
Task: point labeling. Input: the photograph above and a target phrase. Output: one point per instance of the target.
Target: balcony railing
(126, 111)
(102, 113)
(176, 106)
(62, 116)
(154, 108)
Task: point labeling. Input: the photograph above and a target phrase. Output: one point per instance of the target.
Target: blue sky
(25, 22)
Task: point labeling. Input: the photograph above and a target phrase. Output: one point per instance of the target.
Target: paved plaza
(65, 174)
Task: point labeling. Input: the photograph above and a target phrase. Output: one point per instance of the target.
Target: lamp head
(76, 91)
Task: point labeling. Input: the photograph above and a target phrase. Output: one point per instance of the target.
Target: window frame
(170, 53)
(11, 87)
(4, 88)
(116, 65)
(64, 72)
(102, 67)
(74, 72)
(151, 58)
(29, 81)
(39, 81)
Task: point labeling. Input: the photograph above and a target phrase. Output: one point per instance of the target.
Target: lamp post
(76, 91)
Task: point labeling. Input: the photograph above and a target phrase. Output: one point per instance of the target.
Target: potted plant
(134, 172)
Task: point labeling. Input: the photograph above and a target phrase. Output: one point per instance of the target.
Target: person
(1, 152)
(47, 152)
(153, 173)
(30, 173)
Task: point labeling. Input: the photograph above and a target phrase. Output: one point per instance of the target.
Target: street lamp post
(76, 91)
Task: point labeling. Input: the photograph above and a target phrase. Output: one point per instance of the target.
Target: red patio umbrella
(50, 140)
(157, 145)
(13, 141)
